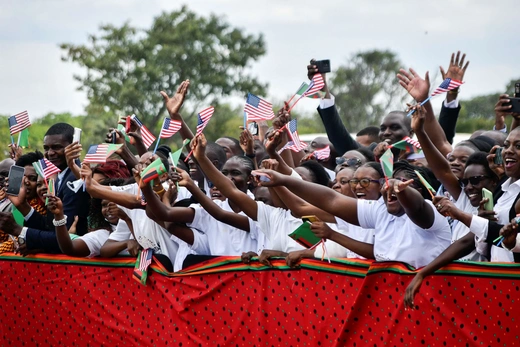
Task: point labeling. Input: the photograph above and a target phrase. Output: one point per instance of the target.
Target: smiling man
(394, 127)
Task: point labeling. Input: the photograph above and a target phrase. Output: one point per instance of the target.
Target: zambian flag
(153, 171)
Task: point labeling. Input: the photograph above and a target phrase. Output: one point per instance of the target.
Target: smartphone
(262, 177)
(16, 174)
(323, 66)
(488, 206)
(515, 105)
(77, 135)
(310, 219)
(499, 160)
(253, 128)
(517, 90)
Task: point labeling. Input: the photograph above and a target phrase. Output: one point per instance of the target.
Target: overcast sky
(422, 33)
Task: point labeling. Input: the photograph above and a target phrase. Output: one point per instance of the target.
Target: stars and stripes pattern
(203, 118)
(97, 154)
(315, 86)
(292, 126)
(258, 109)
(447, 85)
(169, 128)
(48, 168)
(19, 122)
(146, 259)
(322, 153)
(148, 137)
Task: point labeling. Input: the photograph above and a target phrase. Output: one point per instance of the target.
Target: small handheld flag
(317, 83)
(144, 260)
(168, 129)
(446, 85)
(18, 122)
(148, 137)
(23, 138)
(203, 118)
(47, 168)
(387, 164)
(97, 154)
(153, 171)
(304, 236)
(297, 145)
(407, 144)
(258, 109)
(51, 190)
(426, 184)
(323, 153)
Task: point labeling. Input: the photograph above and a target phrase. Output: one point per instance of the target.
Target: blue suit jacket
(41, 233)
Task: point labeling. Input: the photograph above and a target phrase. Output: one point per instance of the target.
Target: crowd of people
(243, 196)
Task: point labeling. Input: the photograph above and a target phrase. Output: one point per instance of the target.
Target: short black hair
(164, 160)
(64, 129)
(366, 152)
(373, 165)
(216, 152)
(370, 131)
(427, 174)
(236, 143)
(480, 158)
(165, 150)
(318, 171)
(29, 158)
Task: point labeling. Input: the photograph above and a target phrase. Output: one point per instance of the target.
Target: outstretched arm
(301, 207)
(320, 196)
(323, 231)
(414, 205)
(225, 185)
(174, 104)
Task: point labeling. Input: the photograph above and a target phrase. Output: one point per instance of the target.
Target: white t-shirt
(121, 233)
(459, 229)
(148, 233)
(399, 239)
(277, 223)
(218, 238)
(354, 232)
(183, 251)
(94, 241)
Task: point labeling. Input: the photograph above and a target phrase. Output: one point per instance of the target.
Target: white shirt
(95, 240)
(459, 229)
(148, 233)
(218, 238)
(355, 232)
(504, 204)
(277, 223)
(122, 233)
(399, 239)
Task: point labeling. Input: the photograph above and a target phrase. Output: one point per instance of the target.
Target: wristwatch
(21, 241)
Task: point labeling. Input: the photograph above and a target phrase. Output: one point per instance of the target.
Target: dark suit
(336, 131)
(41, 233)
(448, 121)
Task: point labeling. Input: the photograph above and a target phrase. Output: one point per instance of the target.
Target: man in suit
(38, 231)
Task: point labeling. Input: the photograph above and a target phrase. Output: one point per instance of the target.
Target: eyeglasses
(364, 182)
(355, 162)
(473, 180)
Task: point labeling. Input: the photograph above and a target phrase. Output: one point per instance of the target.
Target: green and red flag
(153, 171)
(408, 145)
(387, 164)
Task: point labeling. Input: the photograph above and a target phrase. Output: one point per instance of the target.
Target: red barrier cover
(62, 301)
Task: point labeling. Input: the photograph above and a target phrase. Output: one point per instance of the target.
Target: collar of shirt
(61, 175)
(508, 185)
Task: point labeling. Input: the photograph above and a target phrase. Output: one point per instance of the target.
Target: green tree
(126, 67)
(366, 88)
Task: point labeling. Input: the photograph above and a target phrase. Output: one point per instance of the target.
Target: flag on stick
(317, 83)
(258, 109)
(18, 122)
(446, 85)
(144, 259)
(407, 144)
(148, 137)
(292, 126)
(169, 128)
(203, 118)
(153, 171)
(426, 184)
(387, 164)
(97, 154)
(23, 138)
(323, 153)
(47, 168)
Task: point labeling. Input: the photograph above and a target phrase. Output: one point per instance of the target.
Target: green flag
(304, 235)
(302, 89)
(23, 138)
(387, 163)
(152, 171)
(38, 168)
(112, 148)
(175, 156)
(121, 128)
(425, 183)
(17, 215)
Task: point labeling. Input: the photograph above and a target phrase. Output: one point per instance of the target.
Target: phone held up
(16, 174)
(262, 177)
(515, 101)
(499, 160)
(253, 128)
(323, 66)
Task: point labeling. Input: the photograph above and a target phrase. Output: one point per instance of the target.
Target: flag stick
(12, 140)
(245, 120)
(19, 135)
(157, 144)
(422, 103)
(295, 103)
(188, 156)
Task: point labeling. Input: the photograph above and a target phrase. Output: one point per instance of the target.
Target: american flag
(291, 146)
(446, 85)
(203, 119)
(97, 154)
(322, 153)
(48, 168)
(258, 109)
(148, 137)
(295, 144)
(18, 122)
(146, 259)
(169, 128)
(315, 86)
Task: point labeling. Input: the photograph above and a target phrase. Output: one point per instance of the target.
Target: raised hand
(275, 178)
(283, 117)
(482, 212)
(312, 69)
(198, 145)
(55, 206)
(418, 118)
(498, 169)
(445, 206)
(136, 171)
(273, 141)
(183, 177)
(15, 151)
(417, 87)
(173, 104)
(270, 164)
(246, 142)
(457, 69)
(86, 174)
(120, 138)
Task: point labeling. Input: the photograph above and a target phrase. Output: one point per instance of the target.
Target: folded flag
(323, 153)
(447, 85)
(258, 109)
(153, 171)
(148, 137)
(407, 144)
(97, 154)
(304, 236)
(387, 163)
(203, 118)
(169, 128)
(45, 168)
(18, 122)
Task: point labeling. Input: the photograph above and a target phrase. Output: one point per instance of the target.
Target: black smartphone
(498, 156)
(323, 66)
(253, 128)
(16, 174)
(517, 90)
